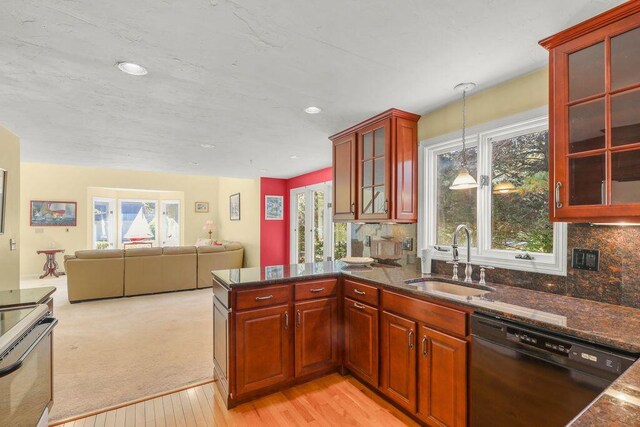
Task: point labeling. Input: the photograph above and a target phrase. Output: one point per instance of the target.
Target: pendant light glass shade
(504, 188)
(463, 181)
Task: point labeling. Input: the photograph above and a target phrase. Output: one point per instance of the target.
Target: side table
(51, 265)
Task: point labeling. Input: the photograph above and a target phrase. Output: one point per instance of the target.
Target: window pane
(379, 142)
(520, 199)
(367, 145)
(339, 240)
(367, 173)
(170, 224)
(300, 227)
(367, 201)
(139, 220)
(625, 177)
(318, 226)
(586, 72)
(625, 59)
(103, 226)
(380, 204)
(379, 172)
(625, 123)
(586, 126)
(455, 206)
(586, 180)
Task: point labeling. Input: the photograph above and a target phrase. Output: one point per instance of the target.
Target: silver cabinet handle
(360, 306)
(286, 320)
(315, 291)
(411, 339)
(386, 206)
(359, 292)
(558, 202)
(298, 319)
(353, 207)
(264, 298)
(424, 346)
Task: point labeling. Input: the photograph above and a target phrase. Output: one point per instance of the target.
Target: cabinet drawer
(315, 289)
(263, 297)
(434, 315)
(359, 292)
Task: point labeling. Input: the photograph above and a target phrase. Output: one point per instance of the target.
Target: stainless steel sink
(447, 288)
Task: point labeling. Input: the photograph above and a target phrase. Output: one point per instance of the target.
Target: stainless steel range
(26, 386)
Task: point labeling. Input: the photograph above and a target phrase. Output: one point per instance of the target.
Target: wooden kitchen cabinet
(375, 167)
(398, 360)
(316, 335)
(263, 348)
(344, 178)
(361, 340)
(442, 378)
(594, 78)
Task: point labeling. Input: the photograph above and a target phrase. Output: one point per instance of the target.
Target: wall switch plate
(367, 241)
(407, 244)
(586, 259)
(13, 244)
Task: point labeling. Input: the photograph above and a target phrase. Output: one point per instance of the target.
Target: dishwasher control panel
(576, 352)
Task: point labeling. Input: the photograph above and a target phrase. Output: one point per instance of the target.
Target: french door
(314, 238)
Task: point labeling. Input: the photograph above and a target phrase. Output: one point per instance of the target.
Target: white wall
(10, 161)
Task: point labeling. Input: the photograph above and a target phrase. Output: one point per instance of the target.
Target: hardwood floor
(329, 401)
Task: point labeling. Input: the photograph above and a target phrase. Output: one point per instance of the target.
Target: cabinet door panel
(344, 178)
(625, 59)
(398, 360)
(406, 170)
(361, 340)
(374, 166)
(442, 373)
(586, 72)
(316, 337)
(263, 348)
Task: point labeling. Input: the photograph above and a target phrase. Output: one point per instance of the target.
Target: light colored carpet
(113, 351)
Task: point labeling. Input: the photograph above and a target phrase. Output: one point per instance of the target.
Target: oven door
(25, 377)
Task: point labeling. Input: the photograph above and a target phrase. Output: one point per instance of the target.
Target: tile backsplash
(386, 237)
(617, 281)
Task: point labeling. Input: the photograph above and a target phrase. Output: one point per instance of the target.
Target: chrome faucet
(468, 269)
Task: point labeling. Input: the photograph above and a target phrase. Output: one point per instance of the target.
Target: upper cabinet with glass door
(594, 106)
(375, 169)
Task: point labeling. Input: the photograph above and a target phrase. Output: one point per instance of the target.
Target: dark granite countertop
(22, 297)
(605, 324)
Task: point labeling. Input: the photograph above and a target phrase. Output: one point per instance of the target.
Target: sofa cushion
(210, 249)
(232, 246)
(100, 253)
(136, 252)
(178, 250)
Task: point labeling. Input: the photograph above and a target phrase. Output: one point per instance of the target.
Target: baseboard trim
(131, 402)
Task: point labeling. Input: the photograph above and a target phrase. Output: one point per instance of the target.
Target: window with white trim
(508, 213)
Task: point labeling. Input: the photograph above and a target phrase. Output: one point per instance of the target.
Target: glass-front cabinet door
(596, 125)
(374, 153)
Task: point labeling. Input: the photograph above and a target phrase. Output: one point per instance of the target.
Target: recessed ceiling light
(313, 110)
(262, 170)
(207, 146)
(293, 157)
(195, 163)
(131, 68)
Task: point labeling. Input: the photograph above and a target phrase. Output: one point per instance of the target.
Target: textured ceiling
(238, 74)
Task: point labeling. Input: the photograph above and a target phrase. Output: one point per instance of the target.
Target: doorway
(314, 237)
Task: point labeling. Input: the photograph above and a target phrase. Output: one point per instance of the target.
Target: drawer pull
(286, 320)
(424, 346)
(264, 298)
(411, 339)
(316, 290)
(359, 292)
(360, 306)
(298, 319)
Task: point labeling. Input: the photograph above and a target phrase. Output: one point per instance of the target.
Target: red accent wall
(275, 235)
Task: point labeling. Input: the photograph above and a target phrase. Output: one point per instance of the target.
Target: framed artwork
(3, 192)
(273, 208)
(202, 207)
(234, 207)
(45, 213)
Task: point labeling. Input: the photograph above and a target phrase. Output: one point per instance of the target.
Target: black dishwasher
(521, 376)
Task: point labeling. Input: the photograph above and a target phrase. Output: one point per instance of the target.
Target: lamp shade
(463, 181)
(504, 188)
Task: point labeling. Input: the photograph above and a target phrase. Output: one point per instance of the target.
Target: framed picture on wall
(234, 207)
(3, 195)
(202, 207)
(46, 213)
(273, 208)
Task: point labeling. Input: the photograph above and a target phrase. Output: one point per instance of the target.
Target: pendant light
(504, 187)
(464, 180)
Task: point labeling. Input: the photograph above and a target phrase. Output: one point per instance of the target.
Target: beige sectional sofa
(97, 274)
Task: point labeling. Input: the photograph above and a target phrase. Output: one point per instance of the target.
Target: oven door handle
(18, 363)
